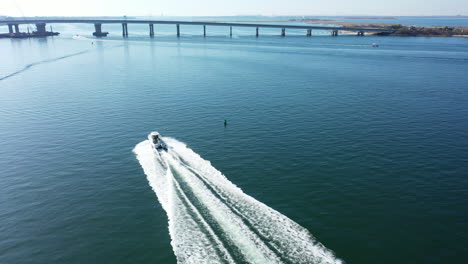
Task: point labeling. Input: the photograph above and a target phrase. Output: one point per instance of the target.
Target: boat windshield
(155, 138)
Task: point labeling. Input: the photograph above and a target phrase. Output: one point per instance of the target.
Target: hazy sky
(231, 7)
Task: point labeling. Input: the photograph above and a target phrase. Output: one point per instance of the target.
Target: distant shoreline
(400, 30)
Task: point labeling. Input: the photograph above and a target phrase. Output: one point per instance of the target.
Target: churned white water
(211, 220)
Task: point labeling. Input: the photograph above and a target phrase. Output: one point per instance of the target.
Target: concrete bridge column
(10, 28)
(125, 29)
(230, 32)
(151, 28)
(204, 30)
(17, 28)
(178, 30)
(256, 32)
(98, 30)
(283, 32)
(41, 28)
(309, 32)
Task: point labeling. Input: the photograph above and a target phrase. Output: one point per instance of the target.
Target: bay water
(365, 147)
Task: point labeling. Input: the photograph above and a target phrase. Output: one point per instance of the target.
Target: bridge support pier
(335, 33)
(204, 30)
(41, 28)
(283, 32)
(10, 28)
(16, 28)
(124, 29)
(309, 32)
(360, 33)
(151, 29)
(230, 32)
(178, 30)
(256, 32)
(98, 30)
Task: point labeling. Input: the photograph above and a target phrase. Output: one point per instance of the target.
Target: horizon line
(252, 15)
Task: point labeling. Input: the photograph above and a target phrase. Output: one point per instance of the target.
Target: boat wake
(41, 62)
(211, 220)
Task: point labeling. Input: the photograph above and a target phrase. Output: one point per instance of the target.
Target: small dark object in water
(225, 122)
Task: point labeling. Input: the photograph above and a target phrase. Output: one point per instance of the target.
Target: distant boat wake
(213, 221)
(40, 62)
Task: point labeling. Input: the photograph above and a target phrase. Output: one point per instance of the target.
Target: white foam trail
(213, 221)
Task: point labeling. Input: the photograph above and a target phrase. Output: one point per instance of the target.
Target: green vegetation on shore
(401, 30)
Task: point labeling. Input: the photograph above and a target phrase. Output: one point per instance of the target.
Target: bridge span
(41, 23)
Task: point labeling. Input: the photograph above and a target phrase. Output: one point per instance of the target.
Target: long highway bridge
(13, 26)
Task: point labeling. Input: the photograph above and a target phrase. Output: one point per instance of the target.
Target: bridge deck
(201, 23)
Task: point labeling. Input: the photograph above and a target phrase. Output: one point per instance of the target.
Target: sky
(21, 8)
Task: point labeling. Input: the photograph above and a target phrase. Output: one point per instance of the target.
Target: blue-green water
(364, 147)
